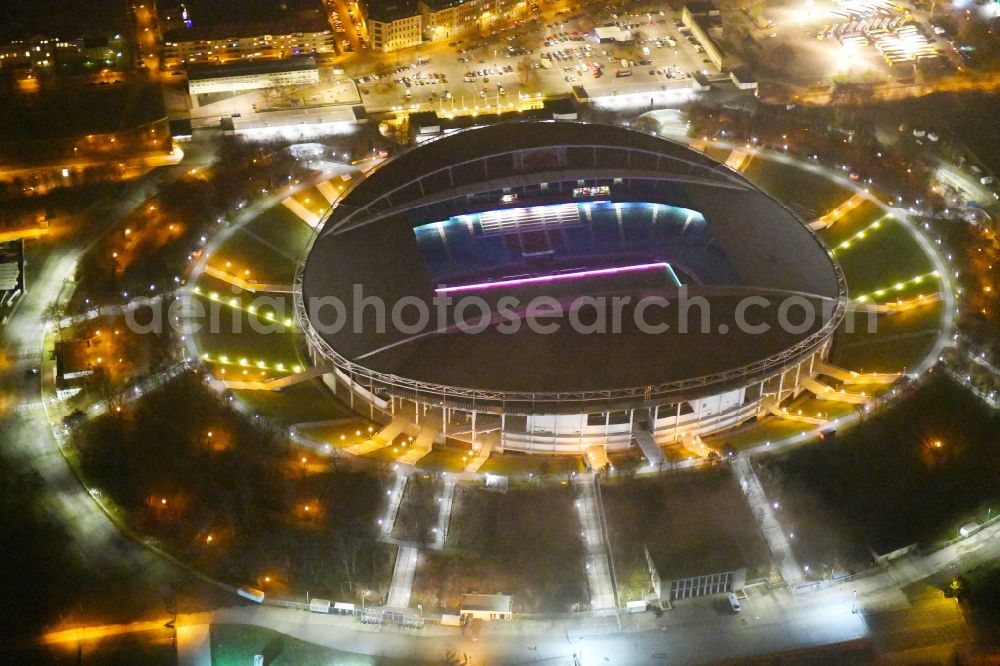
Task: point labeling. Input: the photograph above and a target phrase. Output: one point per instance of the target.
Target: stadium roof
(746, 244)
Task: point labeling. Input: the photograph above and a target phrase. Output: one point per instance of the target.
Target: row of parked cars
(471, 76)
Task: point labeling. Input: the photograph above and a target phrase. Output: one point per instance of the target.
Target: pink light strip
(575, 275)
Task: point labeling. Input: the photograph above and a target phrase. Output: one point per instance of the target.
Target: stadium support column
(781, 384)
(473, 426)
(503, 428)
(350, 386)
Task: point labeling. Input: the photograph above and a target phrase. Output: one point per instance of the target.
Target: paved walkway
(382, 438)
(445, 503)
(303, 213)
(420, 447)
(392, 507)
(598, 571)
(763, 509)
(650, 449)
(402, 577)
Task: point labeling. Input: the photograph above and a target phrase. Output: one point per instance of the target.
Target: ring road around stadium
(565, 210)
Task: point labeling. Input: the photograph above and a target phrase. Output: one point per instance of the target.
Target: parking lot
(536, 57)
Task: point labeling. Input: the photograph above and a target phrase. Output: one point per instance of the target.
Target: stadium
(593, 219)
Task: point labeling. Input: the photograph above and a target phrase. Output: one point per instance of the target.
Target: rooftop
(203, 72)
(662, 206)
(490, 603)
(392, 10)
(286, 25)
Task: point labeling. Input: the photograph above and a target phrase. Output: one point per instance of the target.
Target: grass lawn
(901, 291)
(525, 542)
(312, 199)
(279, 229)
(245, 252)
(692, 522)
(793, 185)
(277, 351)
(830, 409)
(236, 645)
(767, 429)
(884, 484)
(884, 257)
(308, 401)
(857, 220)
(717, 153)
(341, 434)
(521, 464)
(444, 459)
(900, 341)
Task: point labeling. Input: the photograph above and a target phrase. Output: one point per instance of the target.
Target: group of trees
(881, 484)
(899, 168)
(524, 542)
(418, 512)
(183, 466)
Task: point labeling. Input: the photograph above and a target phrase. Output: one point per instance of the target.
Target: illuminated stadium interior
(521, 245)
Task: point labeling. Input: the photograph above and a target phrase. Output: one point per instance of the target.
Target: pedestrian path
(402, 577)
(485, 447)
(852, 377)
(763, 510)
(381, 439)
(278, 383)
(303, 213)
(598, 571)
(825, 392)
(420, 447)
(738, 160)
(253, 286)
(832, 216)
(649, 447)
(445, 503)
(328, 191)
(392, 506)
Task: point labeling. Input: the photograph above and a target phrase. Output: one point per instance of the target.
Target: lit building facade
(445, 19)
(394, 26)
(241, 76)
(222, 44)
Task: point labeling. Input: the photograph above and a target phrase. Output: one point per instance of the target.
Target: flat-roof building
(486, 606)
(300, 70)
(703, 19)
